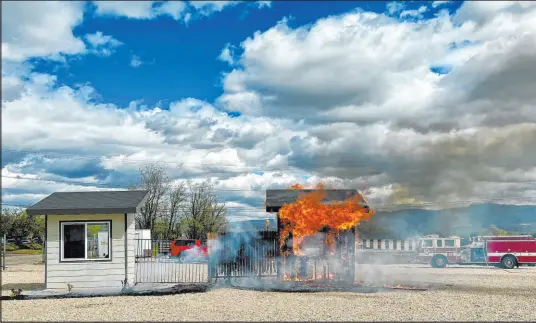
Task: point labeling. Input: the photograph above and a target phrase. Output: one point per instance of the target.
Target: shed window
(85, 241)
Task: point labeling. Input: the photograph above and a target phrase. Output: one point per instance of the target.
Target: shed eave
(103, 211)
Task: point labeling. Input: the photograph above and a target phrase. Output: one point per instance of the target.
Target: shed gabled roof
(276, 198)
(100, 202)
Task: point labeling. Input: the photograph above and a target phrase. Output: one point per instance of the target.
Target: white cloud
(262, 4)
(207, 8)
(178, 10)
(135, 61)
(40, 29)
(481, 12)
(366, 80)
(102, 44)
(395, 7)
(175, 9)
(227, 55)
(436, 4)
(128, 9)
(416, 13)
(349, 100)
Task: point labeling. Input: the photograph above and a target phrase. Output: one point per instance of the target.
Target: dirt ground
(460, 294)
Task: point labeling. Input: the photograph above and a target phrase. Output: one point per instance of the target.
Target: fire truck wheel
(439, 261)
(508, 262)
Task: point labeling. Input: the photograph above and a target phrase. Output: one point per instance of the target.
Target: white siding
(88, 274)
(131, 234)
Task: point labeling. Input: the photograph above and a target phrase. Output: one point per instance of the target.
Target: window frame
(453, 243)
(426, 240)
(85, 259)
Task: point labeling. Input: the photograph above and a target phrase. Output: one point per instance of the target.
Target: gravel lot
(465, 294)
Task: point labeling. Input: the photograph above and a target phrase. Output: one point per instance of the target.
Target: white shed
(89, 238)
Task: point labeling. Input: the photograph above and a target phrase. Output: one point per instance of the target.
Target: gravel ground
(464, 294)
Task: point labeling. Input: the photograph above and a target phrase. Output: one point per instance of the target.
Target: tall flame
(309, 215)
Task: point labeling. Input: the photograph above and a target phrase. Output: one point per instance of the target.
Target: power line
(376, 207)
(124, 159)
(106, 185)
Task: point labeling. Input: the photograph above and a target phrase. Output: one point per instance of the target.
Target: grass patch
(25, 252)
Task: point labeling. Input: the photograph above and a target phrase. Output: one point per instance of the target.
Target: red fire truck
(504, 251)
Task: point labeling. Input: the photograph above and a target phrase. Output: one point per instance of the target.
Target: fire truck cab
(504, 251)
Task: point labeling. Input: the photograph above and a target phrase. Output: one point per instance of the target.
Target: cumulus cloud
(227, 55)
(193, 138)
(364, 83)
(102, 44)
(436, 4)
(178, 10)
(207, 8)
(128, 9)
(415, 13)
(351, 100)
(175, 9)
(40, 29)
(395, 7)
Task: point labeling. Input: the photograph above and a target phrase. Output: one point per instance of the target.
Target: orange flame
(308, 215)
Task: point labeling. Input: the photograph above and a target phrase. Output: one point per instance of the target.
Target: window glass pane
(180, 243)
(73, 241)
(439, 243)
(427, 243)
(449, 243)
(98, 241)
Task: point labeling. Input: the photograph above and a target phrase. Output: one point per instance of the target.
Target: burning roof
(275, 199)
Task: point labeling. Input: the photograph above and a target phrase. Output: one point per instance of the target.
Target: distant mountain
(456, 221)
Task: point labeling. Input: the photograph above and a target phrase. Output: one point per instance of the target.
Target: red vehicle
(188, 249)
(505, 251)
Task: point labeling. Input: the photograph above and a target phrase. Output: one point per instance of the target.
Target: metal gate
(243, 254)
(154, 264)
(259, 254)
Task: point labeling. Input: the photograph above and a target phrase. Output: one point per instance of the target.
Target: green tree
(182, 209)
(22, 225)
(202, 212)
(494, 230)
(6, 222)
(161, 230)
(39, 226)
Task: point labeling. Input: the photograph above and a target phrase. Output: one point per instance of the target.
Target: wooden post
(353, 240)
(278, 248)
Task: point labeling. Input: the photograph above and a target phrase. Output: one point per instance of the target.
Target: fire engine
(504, 251)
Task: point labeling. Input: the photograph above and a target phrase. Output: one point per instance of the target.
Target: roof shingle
(276, 198)
(100, 202)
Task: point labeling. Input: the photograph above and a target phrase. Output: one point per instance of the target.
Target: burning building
(316, 232)
(314, 238)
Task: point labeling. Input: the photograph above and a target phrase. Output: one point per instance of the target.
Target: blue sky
(180, 60)
(412, 102)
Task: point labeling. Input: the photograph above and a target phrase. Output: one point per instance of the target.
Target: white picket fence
(388, 245)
